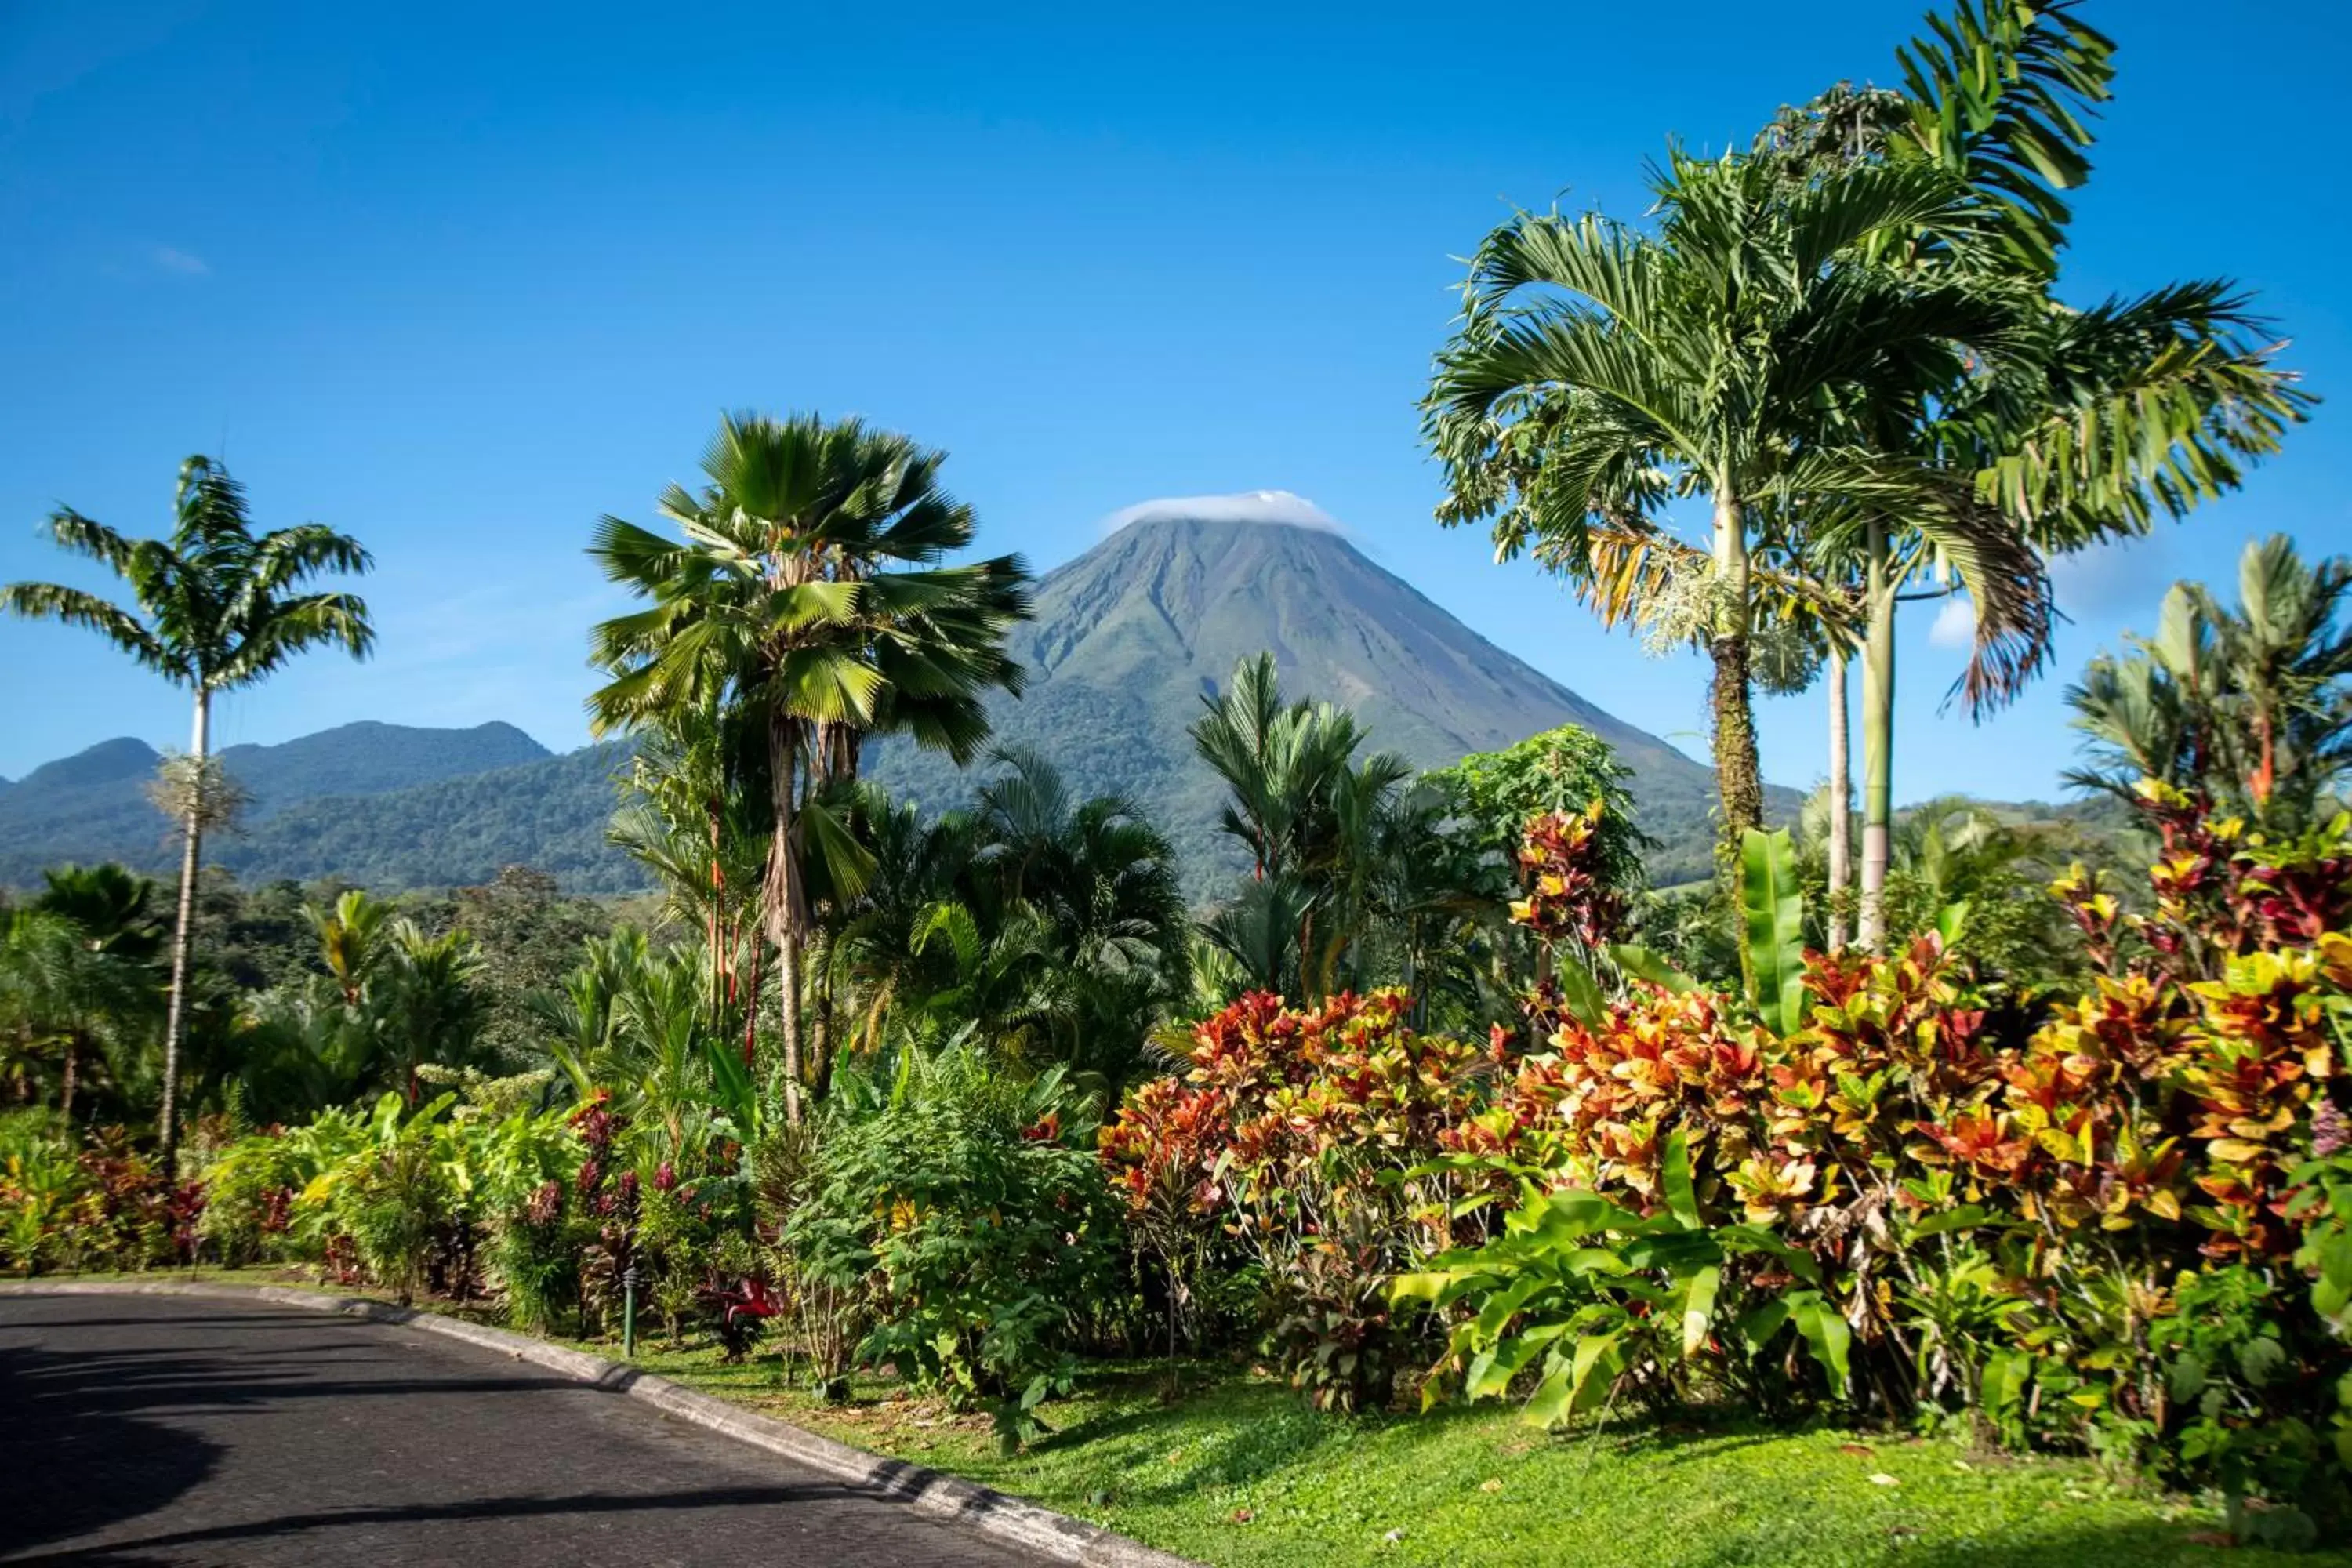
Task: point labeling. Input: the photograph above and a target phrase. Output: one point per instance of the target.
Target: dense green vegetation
(2009, 1156)
(382, 805)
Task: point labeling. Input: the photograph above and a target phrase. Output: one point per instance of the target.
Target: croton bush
(92, 1203)
(2126, 1232)
(1302, 1139)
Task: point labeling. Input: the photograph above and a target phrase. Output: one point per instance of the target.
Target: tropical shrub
(2125, 1233)
(41, 1189)
(1593, 1302)
(391, 1196)
(1303, 1137)
(960, 1208)
(101, 1204)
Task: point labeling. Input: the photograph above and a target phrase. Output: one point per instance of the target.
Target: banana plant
(1772, 933)
(1772, 925)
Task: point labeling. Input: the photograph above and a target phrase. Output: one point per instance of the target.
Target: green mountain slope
(1130, 636)
(93, 806)
(455, 832)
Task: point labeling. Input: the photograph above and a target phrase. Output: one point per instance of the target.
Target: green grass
(1240, 1474)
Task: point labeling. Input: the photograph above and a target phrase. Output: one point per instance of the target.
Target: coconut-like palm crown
(218, 605)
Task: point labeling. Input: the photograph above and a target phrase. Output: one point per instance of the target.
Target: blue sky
(457, 280)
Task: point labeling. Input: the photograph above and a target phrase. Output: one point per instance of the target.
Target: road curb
(967, 1503)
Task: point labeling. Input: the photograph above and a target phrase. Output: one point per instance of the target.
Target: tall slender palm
(1602, 371)
(809, 594)
(697, 823)
(219, 608)
(2096, 421)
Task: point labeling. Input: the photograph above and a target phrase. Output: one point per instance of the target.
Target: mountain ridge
(1128, 638)
(93, 806)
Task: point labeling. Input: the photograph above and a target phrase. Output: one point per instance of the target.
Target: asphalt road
(163, 1430)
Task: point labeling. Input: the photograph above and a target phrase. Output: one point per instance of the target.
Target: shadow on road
(472, 1510)
(78, 1451)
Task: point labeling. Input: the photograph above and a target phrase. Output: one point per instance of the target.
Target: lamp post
(629, 1311)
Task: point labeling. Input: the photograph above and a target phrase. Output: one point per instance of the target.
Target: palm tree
(355, 939)
(113, 906)
(1104, 887)
(809, 594)
(1289, 767)
(434, 1006)
(111, 911)
(1602, 371)
(218, 609)
(2094, 421)
(2249, 707)
(698, 824)
(1305, 808)
(60, 993)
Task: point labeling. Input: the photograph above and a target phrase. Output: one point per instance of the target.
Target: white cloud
(170, 258)
(1248, 505)
(1955, 624)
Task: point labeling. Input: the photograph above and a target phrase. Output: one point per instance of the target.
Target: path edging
(976, 1507)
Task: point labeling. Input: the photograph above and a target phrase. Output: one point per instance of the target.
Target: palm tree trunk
(1738, 777)
(66, 1088)
(787, 904)
(722, 988)
(1877, 741)
(182, 932)
(751, 1014)
(821, 1055)
(1840, 803)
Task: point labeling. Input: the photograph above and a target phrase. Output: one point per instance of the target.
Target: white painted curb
(1056, 1536)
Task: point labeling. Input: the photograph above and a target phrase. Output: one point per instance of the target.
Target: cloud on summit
(1248, 505)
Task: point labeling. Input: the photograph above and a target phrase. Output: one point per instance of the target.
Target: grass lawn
(1240, 1474)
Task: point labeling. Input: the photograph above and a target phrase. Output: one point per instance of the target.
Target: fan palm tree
(219, 608)
(1602, 371)
(809, 594)
(112, 906)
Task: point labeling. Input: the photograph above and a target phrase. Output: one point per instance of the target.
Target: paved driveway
(189, 1430)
